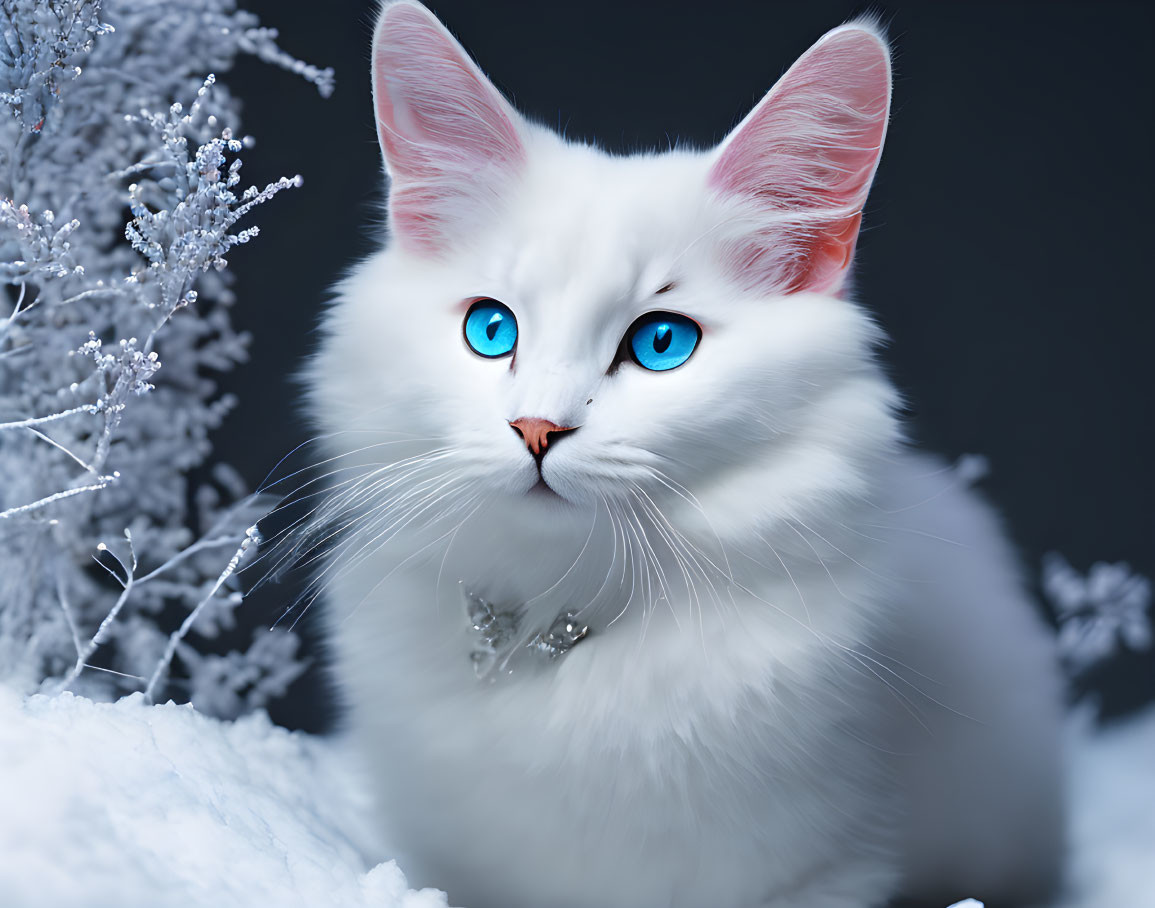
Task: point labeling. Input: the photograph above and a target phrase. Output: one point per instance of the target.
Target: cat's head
(558, 325)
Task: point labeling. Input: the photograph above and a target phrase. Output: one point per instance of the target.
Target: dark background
(1006, 246)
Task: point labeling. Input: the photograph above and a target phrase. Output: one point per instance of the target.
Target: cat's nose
(538, 433)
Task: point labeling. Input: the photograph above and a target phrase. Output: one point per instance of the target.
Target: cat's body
(811, 677)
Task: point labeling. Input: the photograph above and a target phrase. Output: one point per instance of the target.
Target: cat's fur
(812, 678)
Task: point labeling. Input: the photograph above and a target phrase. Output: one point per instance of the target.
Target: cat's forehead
(600, 226)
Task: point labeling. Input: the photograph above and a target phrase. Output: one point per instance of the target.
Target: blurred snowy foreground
(126, 804)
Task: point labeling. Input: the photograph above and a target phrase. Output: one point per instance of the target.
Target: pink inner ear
(445, 131)
(804, 158)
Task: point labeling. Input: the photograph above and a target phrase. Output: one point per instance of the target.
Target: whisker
(889, 579)
(415, 554)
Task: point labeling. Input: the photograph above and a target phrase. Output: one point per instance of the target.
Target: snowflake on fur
(1099, 612)
(111, 333)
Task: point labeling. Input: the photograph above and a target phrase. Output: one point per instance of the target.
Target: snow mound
(1112, 792)
(125, 804)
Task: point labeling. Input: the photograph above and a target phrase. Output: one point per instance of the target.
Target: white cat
(637, 596)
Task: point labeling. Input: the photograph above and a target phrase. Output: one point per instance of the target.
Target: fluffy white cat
(636, 594)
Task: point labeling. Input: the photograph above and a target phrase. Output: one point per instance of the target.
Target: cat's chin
(542, 497)
(543, 494)
(541, 490)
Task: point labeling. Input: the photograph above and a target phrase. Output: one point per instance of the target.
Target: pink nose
(536, 433)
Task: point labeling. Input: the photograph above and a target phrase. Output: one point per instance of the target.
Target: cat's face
(570, 327)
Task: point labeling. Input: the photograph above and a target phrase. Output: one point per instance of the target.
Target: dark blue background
(1006, 248)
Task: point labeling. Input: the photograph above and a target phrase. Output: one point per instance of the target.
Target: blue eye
(663, 340)
(490, 329)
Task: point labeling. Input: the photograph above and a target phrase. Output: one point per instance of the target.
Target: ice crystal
(498, 642)
(120, 202)
(1099, 612)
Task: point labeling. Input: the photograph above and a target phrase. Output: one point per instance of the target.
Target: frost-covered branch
(251, 539)
(84, 653)
(101, 483)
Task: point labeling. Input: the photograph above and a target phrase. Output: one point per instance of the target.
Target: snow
(125, 804)
(1113, 813)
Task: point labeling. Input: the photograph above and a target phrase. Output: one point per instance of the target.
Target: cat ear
(800, 165)
(450, 140)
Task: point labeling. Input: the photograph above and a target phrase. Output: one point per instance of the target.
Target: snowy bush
(120, 202)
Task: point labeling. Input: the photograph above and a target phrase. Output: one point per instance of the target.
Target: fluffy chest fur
(680, 756)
